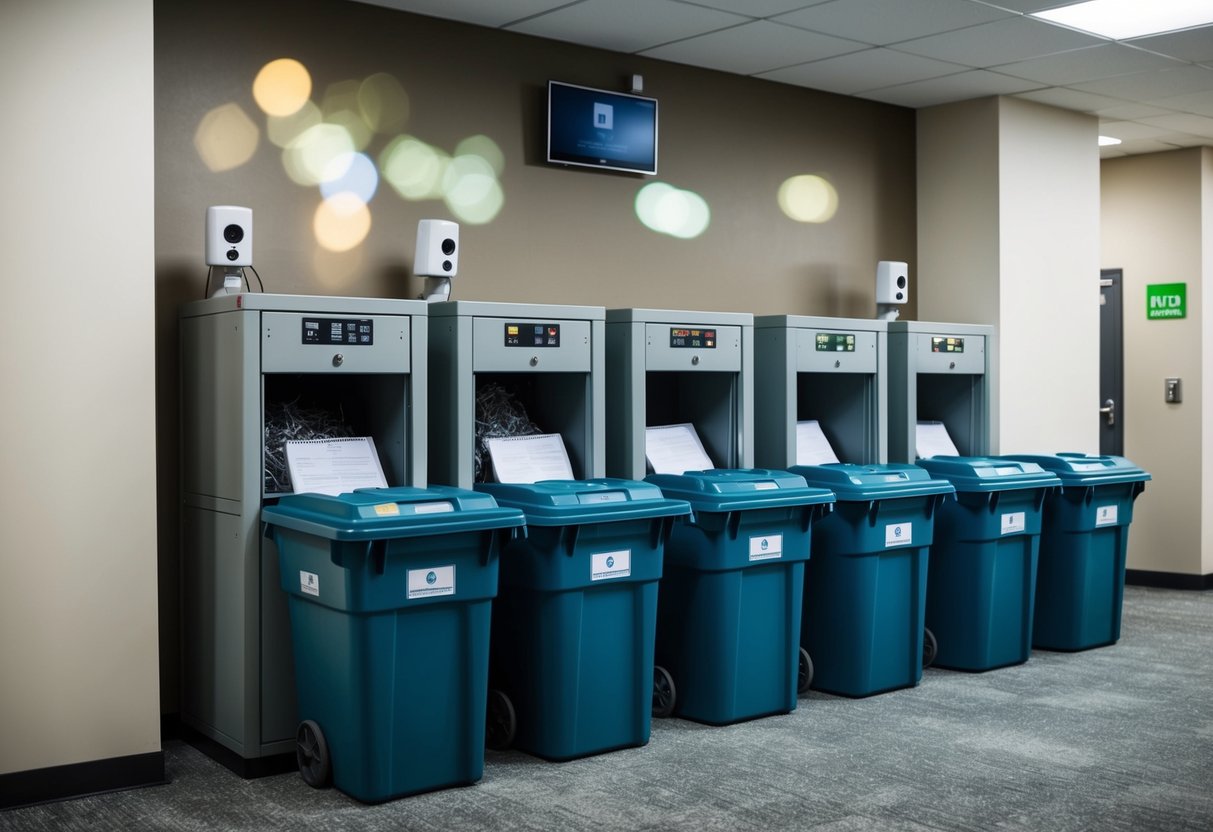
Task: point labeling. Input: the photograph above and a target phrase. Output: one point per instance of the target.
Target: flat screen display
(939, 344)
(835, 342)
(531, 334)
(352, 332)
(600, 129)
(682, 337)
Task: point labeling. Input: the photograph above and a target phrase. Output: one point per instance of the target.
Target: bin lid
(383, 513)
(987, 474)
(852, 482)
(1085, 469)
(738, 489)
(574, 502)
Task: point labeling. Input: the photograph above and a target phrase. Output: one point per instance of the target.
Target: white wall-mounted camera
(437, 257)
(229, 236)
(892, 288)
(229, 243)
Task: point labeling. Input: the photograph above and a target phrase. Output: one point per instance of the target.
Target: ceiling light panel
(1121, 19)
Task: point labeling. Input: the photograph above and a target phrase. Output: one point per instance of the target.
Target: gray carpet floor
(1116, 738)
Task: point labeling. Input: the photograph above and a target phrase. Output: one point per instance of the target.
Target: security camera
(229, 236)
(437, 249)
(892, 282)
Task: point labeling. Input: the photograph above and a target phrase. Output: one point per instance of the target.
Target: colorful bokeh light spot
(315, 155)
(359, 177)
(341, 222)
(383, 103)
(808, 198)
(282, 87)
(413, 168)
(673, 211)
(226, 138)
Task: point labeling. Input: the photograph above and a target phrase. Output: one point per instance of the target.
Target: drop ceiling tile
(1068, 99)
(1131, 148)
(1200, 103)
(753, 47)
(1131, 130)
(1183, 123)
(1122, 111)
(858, 71)
(480, 12)
(1184, 139)
(1087, 64)
(626, 25)
(1151, 86)
(1194, 45)
(977, 83)
(1000, 42)
(1027, 6)
(888, 21)
(756, 8)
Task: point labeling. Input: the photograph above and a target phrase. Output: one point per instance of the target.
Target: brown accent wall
(563, 235)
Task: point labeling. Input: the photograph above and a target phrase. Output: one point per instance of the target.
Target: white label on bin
(766, 486)
(309, 583)
(428, 583)
(606, 565)
(1106, 515)
(766, 548)
(1015, 521)
(898, 534)
(433, 508)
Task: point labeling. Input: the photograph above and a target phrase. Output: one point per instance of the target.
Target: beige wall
(958, 234)
(1153, 229)
(1206, 349)
(563, 235)
(1049, 288)
(1008, 201)
(78, 635)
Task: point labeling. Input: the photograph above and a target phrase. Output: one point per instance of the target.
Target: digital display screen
(948, 344)
(532, 335)
(601, 129)
(358, 332)
(682, 337)
(835, 342)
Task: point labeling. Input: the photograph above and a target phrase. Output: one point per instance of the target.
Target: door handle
(1109, 410)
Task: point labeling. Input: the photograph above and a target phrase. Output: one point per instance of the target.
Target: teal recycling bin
(575, 622)
(1080, 583)
(981, 584)
(866, 585)
(389, 594)
(728, 625)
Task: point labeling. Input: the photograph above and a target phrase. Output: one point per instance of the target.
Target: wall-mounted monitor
(601, 129)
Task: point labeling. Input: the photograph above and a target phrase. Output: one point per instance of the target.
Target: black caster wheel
(502, 723)
(664, 695)
(312, 754)
(930, 647)
(804, 675)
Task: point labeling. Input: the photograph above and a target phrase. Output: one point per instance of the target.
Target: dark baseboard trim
(249, 769)
(45, 785)
(1168, 580)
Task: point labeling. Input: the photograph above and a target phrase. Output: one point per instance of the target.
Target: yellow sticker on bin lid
(387, 509)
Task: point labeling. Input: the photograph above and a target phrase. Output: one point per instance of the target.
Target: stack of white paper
(812, 447)
(932, 439)
(675, 449)
(333, 466)
(529, 458)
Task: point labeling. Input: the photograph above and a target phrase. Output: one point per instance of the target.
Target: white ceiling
(1154, 93)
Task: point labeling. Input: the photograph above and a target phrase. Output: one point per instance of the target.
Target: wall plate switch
(1174, 390)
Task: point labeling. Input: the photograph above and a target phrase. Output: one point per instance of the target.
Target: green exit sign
(1166, 300)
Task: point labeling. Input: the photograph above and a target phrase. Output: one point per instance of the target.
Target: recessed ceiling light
(1121, 19)
(1108, 141)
